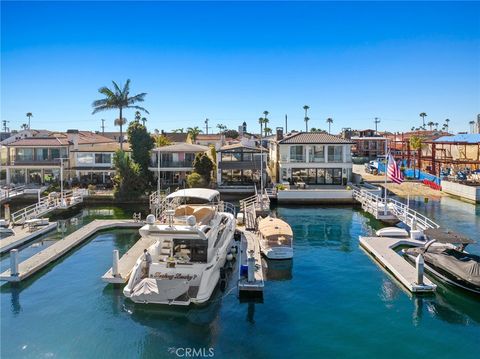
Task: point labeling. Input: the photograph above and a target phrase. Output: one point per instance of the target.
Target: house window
(296, 154)
(317, 153)
(85, 158)
(103, 158)
(24, 154)
(41, 154)
(189, 157)
(335, 154)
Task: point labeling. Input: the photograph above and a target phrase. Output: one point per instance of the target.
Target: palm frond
(137, 98)
(102, 102)
(106, 91)
(126, 87)
(102, 108)
(138, 108)
(117, 88)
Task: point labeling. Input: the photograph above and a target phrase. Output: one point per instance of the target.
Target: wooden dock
(60, 248)
(23, 235)
(383, 250)
(250, 242)
(126, 263)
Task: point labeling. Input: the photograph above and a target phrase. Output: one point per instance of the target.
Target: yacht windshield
(195, 249)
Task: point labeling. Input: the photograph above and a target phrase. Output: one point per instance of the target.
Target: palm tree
(267, 131)
(416, 144)
(24, 126)
(329, 121)
(118, 99)
(472, 123)
(423, 115)
(306, 108)
(430, 124)
(446, 123)
(436, 126)
(178, 130)
(413, 128)
(143, 119)
(306, 119)
(265, 122)
(29, 115)
(221, 127)
(138, 116)
(120, 123)
(193, 132)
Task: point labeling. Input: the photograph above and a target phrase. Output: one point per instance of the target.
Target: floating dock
(250, 248)
(33, 264)
(383, 250)
(126, 263)
(23, 235)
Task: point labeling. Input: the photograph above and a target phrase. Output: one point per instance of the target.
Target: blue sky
(231, 61)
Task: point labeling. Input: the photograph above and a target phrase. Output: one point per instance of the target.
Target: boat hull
(277, 252)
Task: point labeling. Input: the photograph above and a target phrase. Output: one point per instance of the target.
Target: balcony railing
(172, 164)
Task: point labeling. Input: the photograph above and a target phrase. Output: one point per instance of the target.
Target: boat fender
(223, 275)
(229, 257)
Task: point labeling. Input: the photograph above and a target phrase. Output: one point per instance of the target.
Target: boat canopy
(445, 235)
(201, 193)
(274, 227)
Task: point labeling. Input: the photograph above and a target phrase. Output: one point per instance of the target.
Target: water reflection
(278, 269)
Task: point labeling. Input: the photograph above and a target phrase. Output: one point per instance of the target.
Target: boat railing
(227, 207)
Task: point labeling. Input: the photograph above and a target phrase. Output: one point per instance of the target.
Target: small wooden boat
(276, 238)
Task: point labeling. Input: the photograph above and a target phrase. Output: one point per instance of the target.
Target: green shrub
(195, 180)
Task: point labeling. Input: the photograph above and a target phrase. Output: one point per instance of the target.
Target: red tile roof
(313, 137)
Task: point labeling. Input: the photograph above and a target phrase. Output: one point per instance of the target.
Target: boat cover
(462, 265)
(158, 290)
(272, 228)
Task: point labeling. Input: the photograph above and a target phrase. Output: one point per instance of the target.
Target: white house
(310, 158)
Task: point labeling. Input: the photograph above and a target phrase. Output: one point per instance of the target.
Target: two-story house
(368, 145)
(174, 162)
(310, 158)
(239, 164)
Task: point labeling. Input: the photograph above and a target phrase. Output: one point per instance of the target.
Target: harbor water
(332, 300)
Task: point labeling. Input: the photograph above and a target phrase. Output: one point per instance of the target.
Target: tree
(203, 165)
(306, 119)
(423, 115)
(436, 126)
(178, 130)
(416, 144)
(193, 132)
(194, 180)
(162, 140)
(267, 131)
(29, 115)
(129, 183)
(413, 128)
(430, 124)
(231, 134)
(329, 121)
(141, 144)
(447, 121)
(472, 127)
(138, 116)
(143, 119)
(24, 126)
(118, 99)
(120, 123)
(221, 127)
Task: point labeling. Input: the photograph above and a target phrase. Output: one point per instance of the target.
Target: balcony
(298, 158)
(35, 162)
(241, 165)
(172, 164)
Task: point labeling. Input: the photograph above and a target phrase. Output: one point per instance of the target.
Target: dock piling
(14, 262)
(251, 266)
(115, 263)
(419, 265)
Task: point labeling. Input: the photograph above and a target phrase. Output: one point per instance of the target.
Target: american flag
(393, 171)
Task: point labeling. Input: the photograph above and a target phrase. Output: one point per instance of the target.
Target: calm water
(331, 301)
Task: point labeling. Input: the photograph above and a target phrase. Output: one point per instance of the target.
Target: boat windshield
(191, 249)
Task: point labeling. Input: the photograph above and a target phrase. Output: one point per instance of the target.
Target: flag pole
(387, 157)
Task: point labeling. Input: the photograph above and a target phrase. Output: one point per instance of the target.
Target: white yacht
(191, 240)
(276, 238)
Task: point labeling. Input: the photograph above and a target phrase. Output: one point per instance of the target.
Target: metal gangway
(53, 201)
(251, 206)
(158, 203)
(388, 209)
(10, 192)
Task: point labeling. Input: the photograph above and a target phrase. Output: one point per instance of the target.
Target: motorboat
(445, 258)
(192, 237)
(276, 238)
(392, 232)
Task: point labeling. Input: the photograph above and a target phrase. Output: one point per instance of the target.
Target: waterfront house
(368, 145)
(239, 164)
(175, 162)
(35, 160)
(310, 159)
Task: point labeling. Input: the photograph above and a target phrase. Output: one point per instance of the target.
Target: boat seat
(184, 210)
(203, 215)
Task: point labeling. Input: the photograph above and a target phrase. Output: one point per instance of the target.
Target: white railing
(11, 192)
(376, 205)
(47, 204)
(156, 201)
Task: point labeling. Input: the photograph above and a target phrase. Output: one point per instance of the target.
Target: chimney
(73, 135)
(279, 133)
